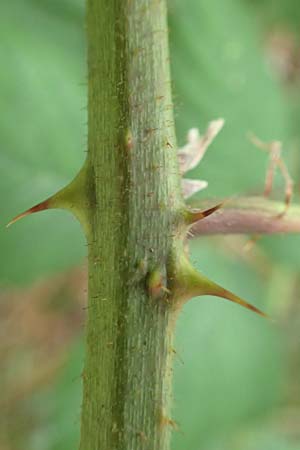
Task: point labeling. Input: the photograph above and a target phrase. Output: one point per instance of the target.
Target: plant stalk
(249, 215)
(133, 209)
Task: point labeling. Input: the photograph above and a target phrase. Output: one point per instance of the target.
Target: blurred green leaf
(218, 71)
(279, 13)
(231, 367)
(232, 360)
(60, 407)
(41, 132)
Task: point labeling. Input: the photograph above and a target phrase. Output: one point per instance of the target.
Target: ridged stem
(134, 214)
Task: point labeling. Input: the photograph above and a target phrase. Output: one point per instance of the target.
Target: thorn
(189, 283)
(208, 287)
(39, 207)
(72, 198)
(194, 215)
(218, 291)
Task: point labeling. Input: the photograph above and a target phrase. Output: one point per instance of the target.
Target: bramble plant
(130, 200)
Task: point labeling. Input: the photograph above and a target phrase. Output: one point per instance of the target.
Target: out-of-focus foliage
(218, 71)
(235, 373)
(277, 13)
(42, 132)
(38, 328)
(234, 367)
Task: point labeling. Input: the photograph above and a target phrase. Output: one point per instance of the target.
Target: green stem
(135, 209)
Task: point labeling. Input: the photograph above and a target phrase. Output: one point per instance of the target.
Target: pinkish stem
(250, 215)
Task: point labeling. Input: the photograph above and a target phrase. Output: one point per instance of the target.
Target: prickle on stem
(193, 215)
(42, 206)
(189, 283)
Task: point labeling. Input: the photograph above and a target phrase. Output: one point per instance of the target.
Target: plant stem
(249, 215)
(134, 204)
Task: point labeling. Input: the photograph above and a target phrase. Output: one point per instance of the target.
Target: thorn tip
(227, 295)
(39, 207)
(194, 215)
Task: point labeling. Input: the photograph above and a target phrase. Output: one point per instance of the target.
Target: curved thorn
(72, 198)
(39, 207)
(194, 215)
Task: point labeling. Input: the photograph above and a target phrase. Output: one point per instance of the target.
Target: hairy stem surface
(134, 204)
